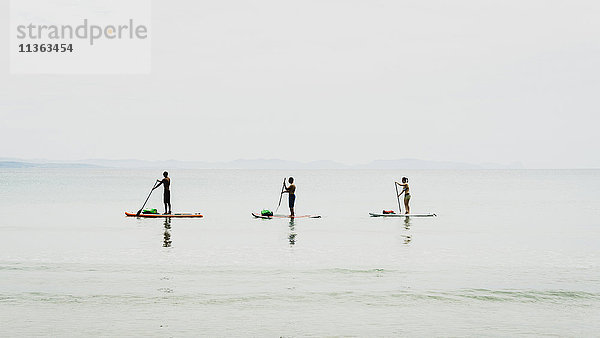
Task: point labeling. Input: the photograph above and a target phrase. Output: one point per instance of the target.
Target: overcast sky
(351, 81)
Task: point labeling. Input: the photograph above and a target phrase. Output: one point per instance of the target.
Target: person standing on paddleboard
(291, 190)
(166, 182)
(406, 191)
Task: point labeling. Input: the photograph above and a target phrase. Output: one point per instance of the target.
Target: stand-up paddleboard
(284, 216)
(401, 215)
(180, 215)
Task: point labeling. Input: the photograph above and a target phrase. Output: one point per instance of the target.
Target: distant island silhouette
(251, 164)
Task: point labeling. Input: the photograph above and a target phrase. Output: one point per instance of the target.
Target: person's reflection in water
(407, 223)
(292, 235)
(167, 242)
(407, 238)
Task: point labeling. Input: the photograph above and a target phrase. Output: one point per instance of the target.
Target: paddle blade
(138, 213)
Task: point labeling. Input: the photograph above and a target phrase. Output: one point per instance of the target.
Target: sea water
(513, 252)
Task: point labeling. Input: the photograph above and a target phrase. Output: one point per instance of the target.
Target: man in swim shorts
(291, 190)
(166, 182)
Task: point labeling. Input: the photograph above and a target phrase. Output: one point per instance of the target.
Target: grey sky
(351, 81)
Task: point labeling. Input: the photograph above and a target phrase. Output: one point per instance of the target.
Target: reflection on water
(407, 223)
(407, 238)
(167, 235)
(292, 235)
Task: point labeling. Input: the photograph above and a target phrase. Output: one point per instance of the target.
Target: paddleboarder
(406, 192)
(291, 190)
(166, 183)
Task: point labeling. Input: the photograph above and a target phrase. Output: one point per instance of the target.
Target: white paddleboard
(401, 215)
(258, 215)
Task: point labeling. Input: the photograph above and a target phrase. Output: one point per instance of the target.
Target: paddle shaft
(280, 195)
(398, 198)
(146, 201)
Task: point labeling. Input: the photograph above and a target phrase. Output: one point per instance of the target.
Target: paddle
(398, 197)
(140, 211)
(281, 195)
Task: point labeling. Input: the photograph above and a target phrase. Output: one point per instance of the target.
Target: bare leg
(406, 206)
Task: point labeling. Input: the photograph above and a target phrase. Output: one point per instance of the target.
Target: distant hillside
(251, 164)
(14, 164)
(421, 164)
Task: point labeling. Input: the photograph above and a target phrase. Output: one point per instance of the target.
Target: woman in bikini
(406, 191)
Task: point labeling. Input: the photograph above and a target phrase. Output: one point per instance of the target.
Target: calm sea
(511, 253)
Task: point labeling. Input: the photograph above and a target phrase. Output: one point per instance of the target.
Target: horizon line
(342, 166)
